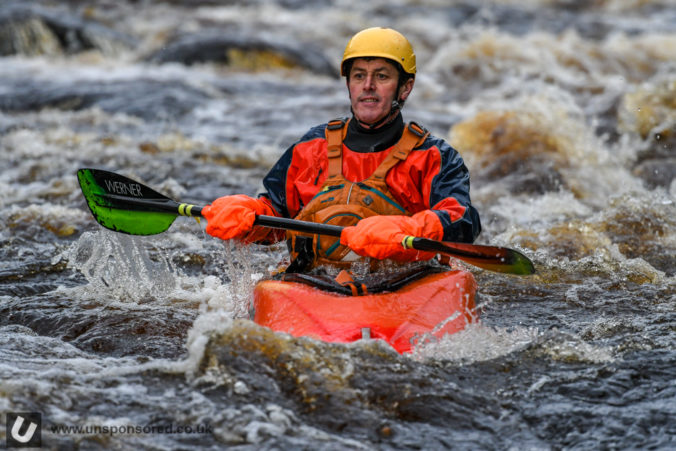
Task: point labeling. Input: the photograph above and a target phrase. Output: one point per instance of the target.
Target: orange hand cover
(381, 236)
(232, 217)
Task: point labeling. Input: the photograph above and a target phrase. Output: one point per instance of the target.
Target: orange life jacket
(344, 203)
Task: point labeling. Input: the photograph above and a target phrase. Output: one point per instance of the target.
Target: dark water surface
(564, 112)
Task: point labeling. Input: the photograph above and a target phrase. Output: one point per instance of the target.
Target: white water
(103, 329)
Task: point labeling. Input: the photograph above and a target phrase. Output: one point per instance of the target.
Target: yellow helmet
(382, 43)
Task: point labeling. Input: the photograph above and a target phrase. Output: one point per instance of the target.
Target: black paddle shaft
(298, 226)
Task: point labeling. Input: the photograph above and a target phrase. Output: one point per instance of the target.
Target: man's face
(373, 86)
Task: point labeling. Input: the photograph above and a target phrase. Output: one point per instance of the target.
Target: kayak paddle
(125, 205)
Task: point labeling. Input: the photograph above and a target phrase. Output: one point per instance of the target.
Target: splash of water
(117, 266)
(476, 343)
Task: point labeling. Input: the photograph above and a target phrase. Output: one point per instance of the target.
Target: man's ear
(406, 89)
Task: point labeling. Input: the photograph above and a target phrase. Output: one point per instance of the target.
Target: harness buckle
(417, 129)
(333, 152)
(336, 124)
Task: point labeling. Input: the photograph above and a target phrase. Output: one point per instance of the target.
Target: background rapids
(564, 110)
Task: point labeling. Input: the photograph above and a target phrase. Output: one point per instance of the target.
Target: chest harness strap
(344, 203)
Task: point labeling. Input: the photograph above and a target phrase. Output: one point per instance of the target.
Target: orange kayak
(433, 304)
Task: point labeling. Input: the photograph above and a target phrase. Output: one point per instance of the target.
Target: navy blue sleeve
(274, 182)
(453, 181)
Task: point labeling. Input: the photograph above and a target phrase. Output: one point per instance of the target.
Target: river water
(565, 112)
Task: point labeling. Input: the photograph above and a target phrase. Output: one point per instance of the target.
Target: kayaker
(380, 177)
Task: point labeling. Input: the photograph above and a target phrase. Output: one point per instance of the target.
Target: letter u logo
(23, 429)
(26, 436)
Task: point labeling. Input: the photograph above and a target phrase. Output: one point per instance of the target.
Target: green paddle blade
(123, 205)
